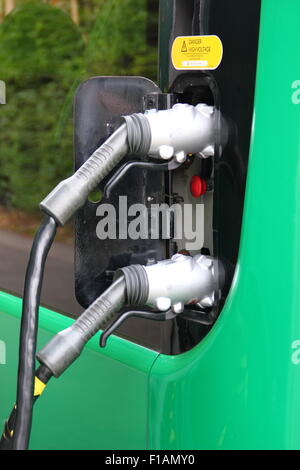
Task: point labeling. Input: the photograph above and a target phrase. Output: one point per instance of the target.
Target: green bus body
(240, 387)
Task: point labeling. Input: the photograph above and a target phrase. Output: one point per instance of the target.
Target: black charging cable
(28, 333)
(42, 377)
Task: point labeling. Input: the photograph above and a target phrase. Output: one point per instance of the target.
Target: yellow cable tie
(39, 387)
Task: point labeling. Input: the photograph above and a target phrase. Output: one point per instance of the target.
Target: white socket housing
(183, 129)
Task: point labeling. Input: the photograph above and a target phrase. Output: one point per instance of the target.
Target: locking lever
(149, 315)
(151, 166)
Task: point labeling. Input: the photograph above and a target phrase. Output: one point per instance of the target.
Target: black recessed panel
(99, 104)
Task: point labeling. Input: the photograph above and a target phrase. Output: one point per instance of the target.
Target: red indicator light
(198, 186)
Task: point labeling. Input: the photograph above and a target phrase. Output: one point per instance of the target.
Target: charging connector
(164, 134)
(182, 280)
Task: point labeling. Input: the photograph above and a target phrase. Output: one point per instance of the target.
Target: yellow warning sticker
(197, 52)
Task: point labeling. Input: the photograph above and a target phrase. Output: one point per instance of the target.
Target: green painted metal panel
(239, 388)
(101, 402)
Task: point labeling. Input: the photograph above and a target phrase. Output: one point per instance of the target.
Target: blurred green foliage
(43, 57)
(117, 44)
(39, 43)
(33, 158)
